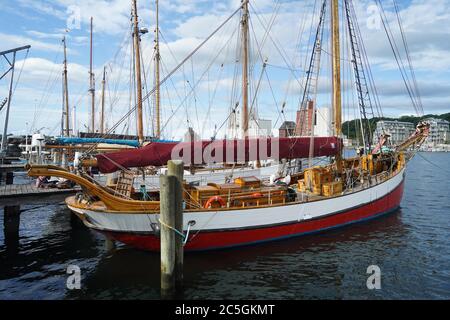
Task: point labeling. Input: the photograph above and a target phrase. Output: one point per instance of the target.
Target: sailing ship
(248, 210)
(68, 147)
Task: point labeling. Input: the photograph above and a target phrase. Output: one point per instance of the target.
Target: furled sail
(218, 151)
(75, 140)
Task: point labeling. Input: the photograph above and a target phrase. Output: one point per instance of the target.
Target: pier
(14, 194)
(12, 167)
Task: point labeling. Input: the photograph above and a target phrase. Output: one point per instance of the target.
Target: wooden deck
(12, 167)
(29, 190)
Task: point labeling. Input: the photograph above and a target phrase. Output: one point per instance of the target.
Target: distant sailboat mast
(244, 24)
(157, 76)
(66, 92)
(102, 111)
(92, 84)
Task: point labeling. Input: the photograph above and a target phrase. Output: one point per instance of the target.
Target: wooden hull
(231, 228)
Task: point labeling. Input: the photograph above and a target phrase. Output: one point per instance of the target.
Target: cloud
(185, 23)
(12, 41)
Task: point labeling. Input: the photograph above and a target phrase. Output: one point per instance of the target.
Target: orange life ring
(210, 201)
(257, 195)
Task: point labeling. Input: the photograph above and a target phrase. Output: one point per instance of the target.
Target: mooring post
(176, 169)
(167, 205)
(9, 178)
(11, 222)
(110, 244)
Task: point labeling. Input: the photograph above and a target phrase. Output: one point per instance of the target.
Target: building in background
(318, 119)
(256, 127)
(287, 129)
(305, 120)
(398, 130)
(439, 132)
(260, 128)
(322, 126)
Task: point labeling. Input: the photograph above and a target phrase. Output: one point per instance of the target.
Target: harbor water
(411, 247)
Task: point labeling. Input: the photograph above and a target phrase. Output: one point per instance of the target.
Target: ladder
(312, 77)
(124, 184)
(364, 100)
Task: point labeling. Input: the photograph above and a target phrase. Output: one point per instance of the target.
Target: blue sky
(209, 79)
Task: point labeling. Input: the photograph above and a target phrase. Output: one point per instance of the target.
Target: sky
(203, 91)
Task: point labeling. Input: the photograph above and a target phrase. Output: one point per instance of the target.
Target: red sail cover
(218, 151)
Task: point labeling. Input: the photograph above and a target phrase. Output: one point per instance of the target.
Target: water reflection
(129, 273)
(411, 246)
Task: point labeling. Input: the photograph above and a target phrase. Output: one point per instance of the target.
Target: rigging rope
(169, 75)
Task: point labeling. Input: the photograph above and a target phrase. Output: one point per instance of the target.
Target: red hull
(226, 239)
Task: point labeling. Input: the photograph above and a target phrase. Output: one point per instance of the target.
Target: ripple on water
(411, 247)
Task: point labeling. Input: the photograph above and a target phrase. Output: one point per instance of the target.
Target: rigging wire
(408, 56)
(397, 55)
(169, 75)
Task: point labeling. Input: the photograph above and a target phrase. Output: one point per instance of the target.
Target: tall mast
(92, 85)
(157, 66)
(74, 120)
(140, 130)
(66, 90)
(336, 65)
(244, 24)
(102, 112)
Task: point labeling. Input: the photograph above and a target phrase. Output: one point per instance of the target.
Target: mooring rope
(432, 163)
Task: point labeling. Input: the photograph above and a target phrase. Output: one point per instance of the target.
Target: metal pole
(5, 129)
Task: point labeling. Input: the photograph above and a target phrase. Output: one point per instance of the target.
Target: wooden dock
(12, 167)
(17, 193)
(20, 190)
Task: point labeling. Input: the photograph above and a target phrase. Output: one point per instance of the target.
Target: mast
(244, 24)
(74, 121)
(102, 112)
(157, 76)
(92, 85)
(140, 130)
(66, 91)
(336, 67)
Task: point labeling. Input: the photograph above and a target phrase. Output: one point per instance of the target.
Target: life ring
(210, 201)
(257, 195)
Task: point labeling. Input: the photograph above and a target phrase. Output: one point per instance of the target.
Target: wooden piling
(176, 169)
(9, 178)
(110, 244)
(11, 222)
(168, 187)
